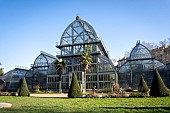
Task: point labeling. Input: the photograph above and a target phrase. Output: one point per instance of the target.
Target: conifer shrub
(158, 88)
(23, 91)
(74, 91)
(143, 86)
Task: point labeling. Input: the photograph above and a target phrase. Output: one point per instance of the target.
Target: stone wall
(162, 54)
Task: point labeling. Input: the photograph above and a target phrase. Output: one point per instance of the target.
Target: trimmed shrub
(23, 89)
(143, 86)
(74, 91)
(158, 88)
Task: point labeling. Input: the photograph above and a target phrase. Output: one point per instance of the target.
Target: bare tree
(156, 46)
(169, 41)
(163, 43)
(149, 45)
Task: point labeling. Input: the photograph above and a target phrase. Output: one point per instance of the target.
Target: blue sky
(30, 26)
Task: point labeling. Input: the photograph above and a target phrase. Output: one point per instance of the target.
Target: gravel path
(63, 95)
(5, 105)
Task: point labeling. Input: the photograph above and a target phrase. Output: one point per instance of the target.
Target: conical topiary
(23, 89)
(158, 88)
(143, 86)
(74, 91)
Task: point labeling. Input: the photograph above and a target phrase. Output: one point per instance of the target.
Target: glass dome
(140, 63)
(76, 35)
(78, 31)
(140, 52)
(12, 78)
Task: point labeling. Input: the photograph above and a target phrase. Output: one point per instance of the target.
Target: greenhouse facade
(9, 81)
(141, 63)
(101, 73)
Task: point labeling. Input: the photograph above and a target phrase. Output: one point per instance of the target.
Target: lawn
(77, 105)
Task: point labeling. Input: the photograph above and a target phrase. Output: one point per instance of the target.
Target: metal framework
(37, 75)
(12, 78)
(74, 40)
(140, 63)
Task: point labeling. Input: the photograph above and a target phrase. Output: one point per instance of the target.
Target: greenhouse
(9, 81)
(101, 73)
(37, 75)
(141, 63)
(77, 37)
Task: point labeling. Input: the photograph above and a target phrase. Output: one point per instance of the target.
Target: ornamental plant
(74, 91)
(158, 88)
(60, 66)
(85, 60)
(23, 91)
(143, 86)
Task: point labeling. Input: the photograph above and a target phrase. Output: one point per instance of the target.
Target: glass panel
(139, 52)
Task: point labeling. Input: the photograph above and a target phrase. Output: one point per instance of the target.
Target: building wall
(162, 54)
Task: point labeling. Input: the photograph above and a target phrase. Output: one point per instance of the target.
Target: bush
(143, 88)
(7, 94)
(158, 88)
(4, 93)
(107, 90)
(37, 92)
(118, 96)
(129, 89)
(74, 90)
(117, 87)
(38, 87)
(23, 89)
(138, 95)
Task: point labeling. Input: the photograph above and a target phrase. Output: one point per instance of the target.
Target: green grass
(77, 105)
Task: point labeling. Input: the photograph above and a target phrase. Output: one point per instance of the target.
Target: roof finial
(138, 42)
(78, 18)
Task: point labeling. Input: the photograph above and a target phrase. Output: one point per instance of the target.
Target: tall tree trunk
(60, 90)
(85, 80)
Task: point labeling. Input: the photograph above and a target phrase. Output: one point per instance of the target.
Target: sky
(30, 26)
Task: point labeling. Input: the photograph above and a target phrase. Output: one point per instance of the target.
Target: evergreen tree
(74, 91)
(143, 86)
(158, 88)
(23, 89)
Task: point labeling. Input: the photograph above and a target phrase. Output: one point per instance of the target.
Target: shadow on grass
(101, 110)
(57, 109)
(42, 110)
(138, 109)
(165, 108)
